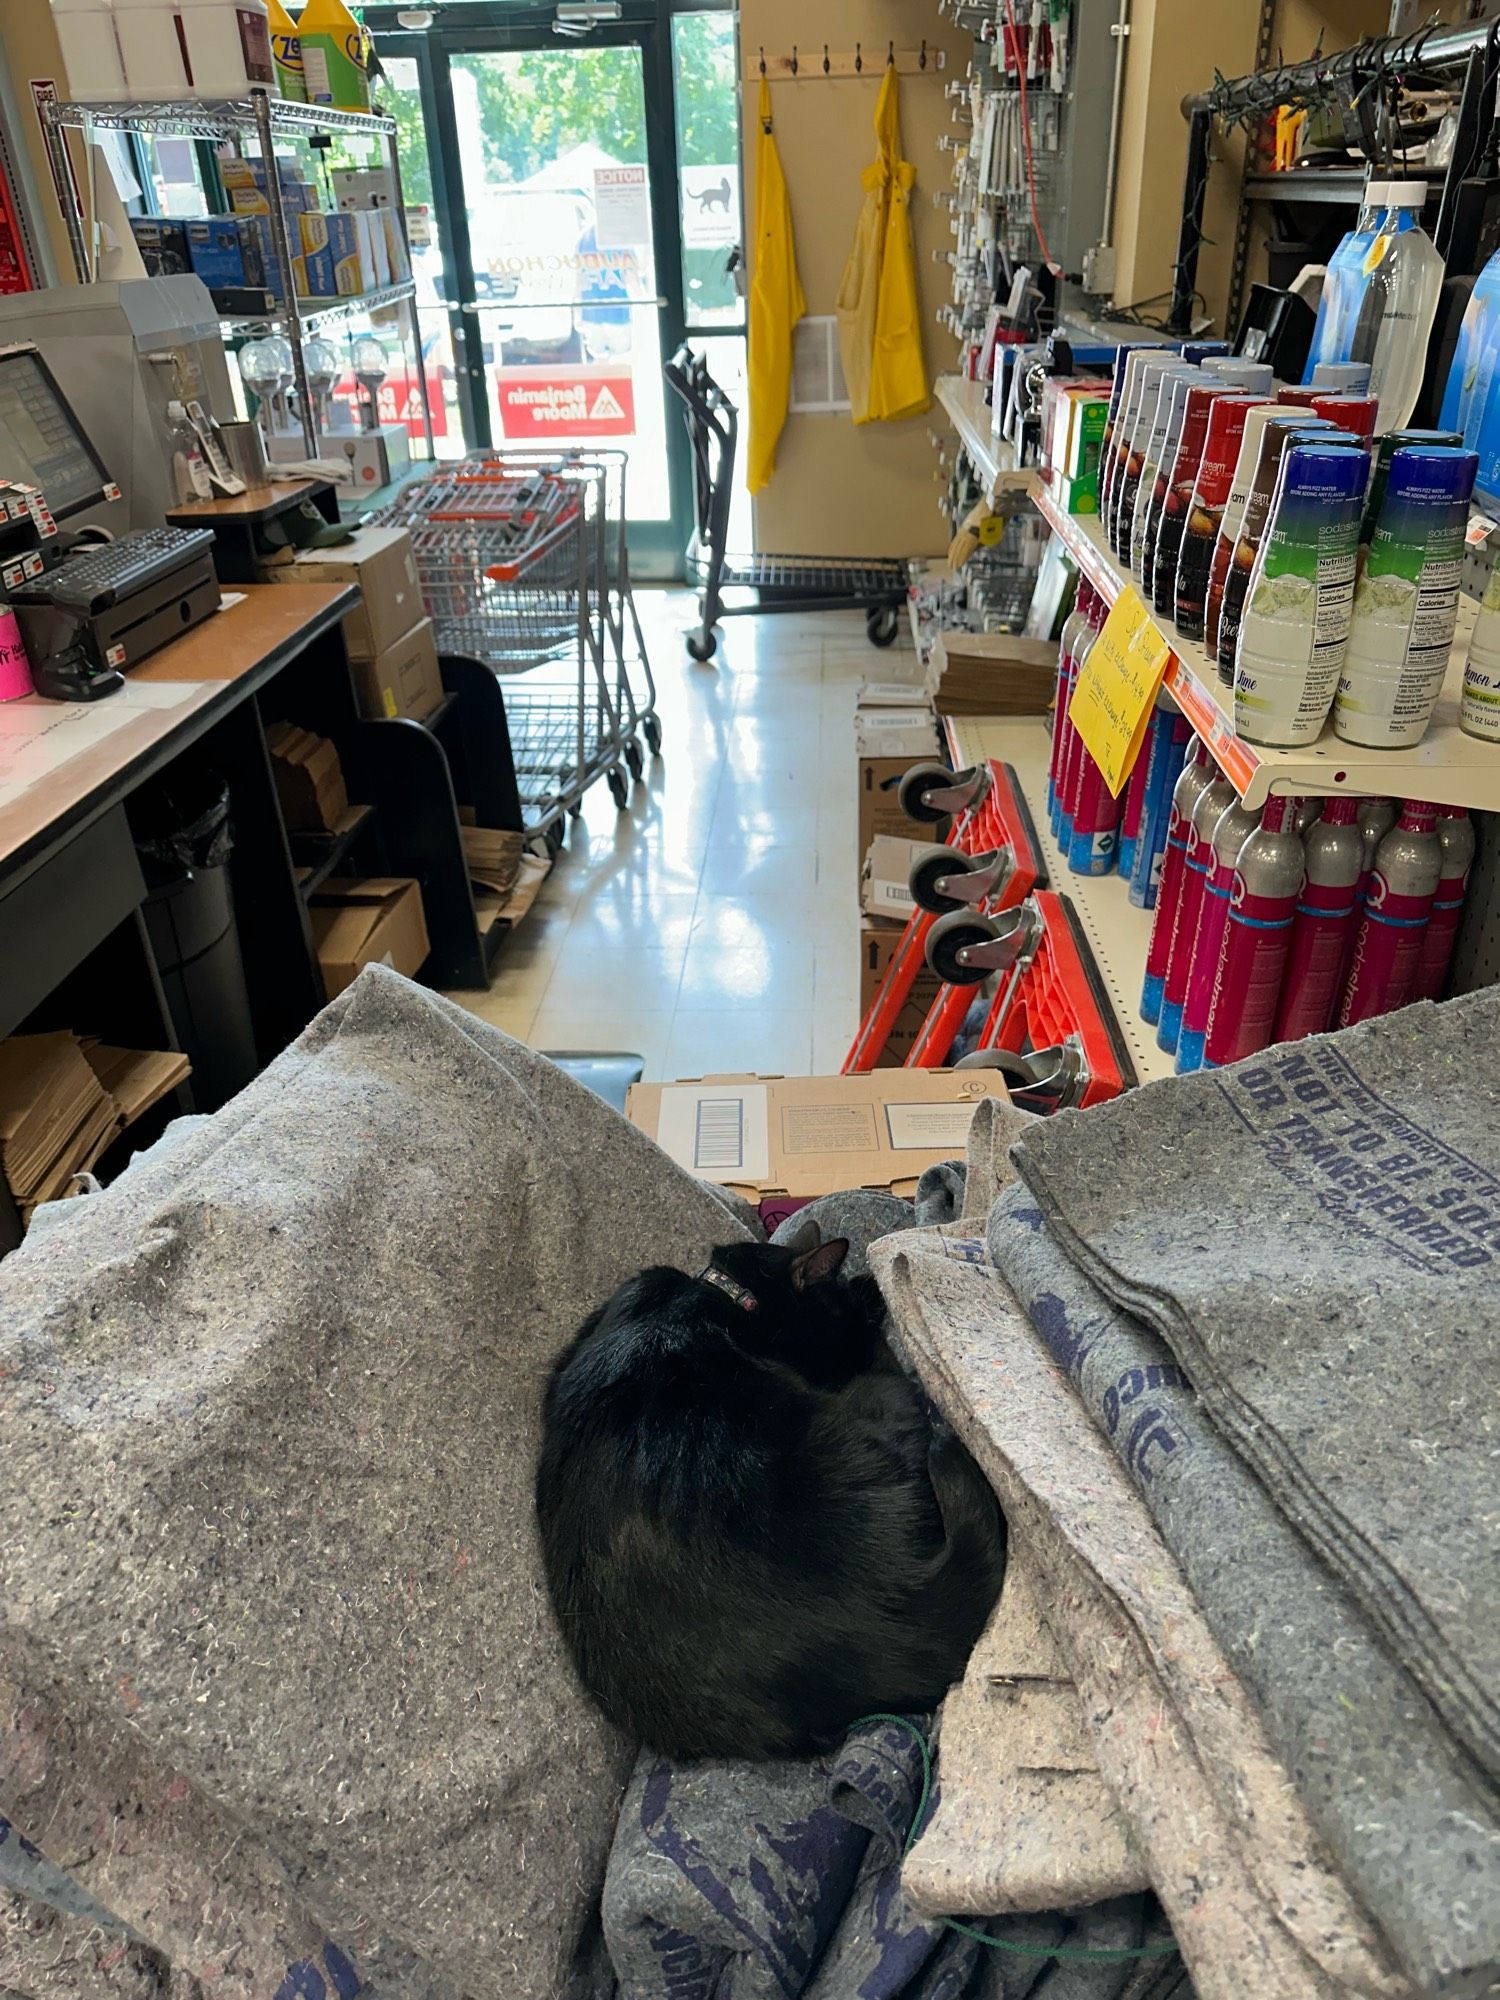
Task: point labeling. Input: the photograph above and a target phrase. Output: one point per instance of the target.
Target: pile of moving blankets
(284, 1714)
(1229, 1349)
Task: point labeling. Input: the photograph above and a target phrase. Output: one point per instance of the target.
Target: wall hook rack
(844, 64)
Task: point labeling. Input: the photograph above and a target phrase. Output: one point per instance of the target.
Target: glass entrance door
(568, 311)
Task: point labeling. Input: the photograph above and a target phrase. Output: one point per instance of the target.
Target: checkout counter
(160, 691)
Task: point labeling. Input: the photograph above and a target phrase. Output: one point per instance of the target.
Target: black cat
(751, 1533)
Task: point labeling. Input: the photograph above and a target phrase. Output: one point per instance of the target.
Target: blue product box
(217, 251)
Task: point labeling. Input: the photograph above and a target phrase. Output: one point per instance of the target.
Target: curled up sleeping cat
(752, 1533)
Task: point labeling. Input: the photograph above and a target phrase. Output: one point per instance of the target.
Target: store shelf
(994, 458)
(1446, 767)
(1117, 932)
(1341, 185)
(191, 119)
(313, 314)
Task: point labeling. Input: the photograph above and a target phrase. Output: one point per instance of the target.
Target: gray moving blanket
(1287, 1138)
(278, 1677)
(1319, 1238)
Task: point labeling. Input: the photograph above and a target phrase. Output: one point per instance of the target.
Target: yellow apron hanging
(880, 328)
(776, 304)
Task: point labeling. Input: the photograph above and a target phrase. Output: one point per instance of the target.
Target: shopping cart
(989, 863)
(522, 563)
(781, 583)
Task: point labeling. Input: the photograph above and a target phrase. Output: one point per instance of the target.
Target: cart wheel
(948, 937)
(635, 758)
(652, 727)
(882, 626)
(920, 778)
(619, 789)
(702, 645)
(554, 838)
(928, 866)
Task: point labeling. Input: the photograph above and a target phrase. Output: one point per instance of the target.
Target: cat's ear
(816, 1267)
(808, 1237)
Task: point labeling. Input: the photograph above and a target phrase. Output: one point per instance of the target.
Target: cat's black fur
(752, 1534)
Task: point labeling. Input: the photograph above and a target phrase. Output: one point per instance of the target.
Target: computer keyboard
(97, 576)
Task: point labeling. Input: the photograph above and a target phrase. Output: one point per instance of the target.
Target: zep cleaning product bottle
(1406, 605)
(1455, 832)
(1402, 279)
(1252, 961)
(1343, 284)
(1198, 857)
(1167, 740)
(286, 53)
(1197, 772)
(1479, 712)
(1301, 594)
(1323, 925)
(1232, 829)
(335, 56)
(1398, 905)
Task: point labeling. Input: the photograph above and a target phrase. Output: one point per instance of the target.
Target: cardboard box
(991, 673)
(809, 1135)
(309, 779)
(877, 947)
(402, 680)
(382, 563)
(329, 259)
(374, 250)
(163, 245)
(888, 740)
(375, 457)
(363, 187)
(884, 889)
(376, 921)
(888, 730)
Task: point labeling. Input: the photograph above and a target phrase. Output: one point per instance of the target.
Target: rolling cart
(877, 587)
(522, 567)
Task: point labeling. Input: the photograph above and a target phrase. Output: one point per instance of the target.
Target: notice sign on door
(584, 402)
(622, 208)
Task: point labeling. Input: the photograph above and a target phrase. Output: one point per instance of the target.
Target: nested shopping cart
(984, 912)
(522, 564)
(878, 587)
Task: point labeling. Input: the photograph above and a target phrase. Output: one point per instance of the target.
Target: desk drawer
(62, 911)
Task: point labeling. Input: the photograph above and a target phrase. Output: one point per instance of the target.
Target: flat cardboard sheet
(806, 1136)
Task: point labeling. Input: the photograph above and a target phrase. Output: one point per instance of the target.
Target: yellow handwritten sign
(1116, 688)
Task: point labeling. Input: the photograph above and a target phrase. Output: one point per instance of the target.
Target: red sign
(398, 401)
(582, 402)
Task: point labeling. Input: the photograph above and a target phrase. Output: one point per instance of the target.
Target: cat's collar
(743, 1297)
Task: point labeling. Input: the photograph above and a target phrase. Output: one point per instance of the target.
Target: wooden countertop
(87, 755)
(256, 503)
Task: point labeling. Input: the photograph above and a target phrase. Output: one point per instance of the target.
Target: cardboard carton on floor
(404, 679)
(382, 562)
(877, 947)
(991, 673)
(309, 779)
(802, 1136)
(884, 887)
(888, 740)
(375, 921)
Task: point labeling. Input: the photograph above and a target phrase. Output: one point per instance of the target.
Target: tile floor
(713, 925)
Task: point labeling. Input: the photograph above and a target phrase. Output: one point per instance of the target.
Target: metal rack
(265, 119)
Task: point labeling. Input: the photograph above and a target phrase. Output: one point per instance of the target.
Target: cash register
(88, 609)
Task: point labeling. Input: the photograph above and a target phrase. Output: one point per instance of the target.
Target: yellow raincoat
(880, 327)
(776, 304)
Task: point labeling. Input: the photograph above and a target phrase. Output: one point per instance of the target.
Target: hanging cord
(1036, 221)
(1114, 1957)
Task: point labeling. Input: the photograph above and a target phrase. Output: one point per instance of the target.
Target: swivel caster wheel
(635, 758)
(619, 789)
(702, 645)
(651, 728)
(953, 936)
(882, 625)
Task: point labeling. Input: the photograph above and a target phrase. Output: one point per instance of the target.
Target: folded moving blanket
(1316, 1234)
(1404, 1815)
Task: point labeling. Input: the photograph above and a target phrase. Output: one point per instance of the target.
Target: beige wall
(838, 489)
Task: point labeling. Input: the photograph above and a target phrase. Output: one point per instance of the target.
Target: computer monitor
(41, 441)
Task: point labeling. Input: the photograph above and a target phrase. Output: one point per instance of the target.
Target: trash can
(184, 838)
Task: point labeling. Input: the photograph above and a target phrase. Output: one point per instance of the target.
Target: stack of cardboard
(371, 921)
(309, 779)
(392, 652)
(494, 857)
(991, 673)
(63, 1100)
